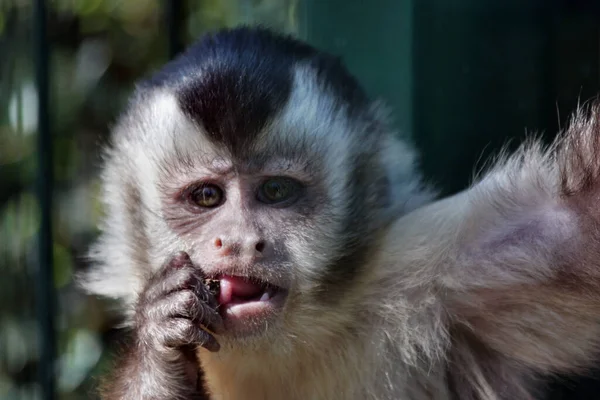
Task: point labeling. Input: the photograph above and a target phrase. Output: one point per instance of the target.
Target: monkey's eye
(278, 190)
(207, 195)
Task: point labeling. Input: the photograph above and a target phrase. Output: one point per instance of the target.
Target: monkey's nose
(252, 246)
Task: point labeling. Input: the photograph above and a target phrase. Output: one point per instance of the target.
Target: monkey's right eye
(207, 196)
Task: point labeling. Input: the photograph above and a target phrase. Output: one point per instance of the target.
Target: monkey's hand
(174, 314)
(176, 310)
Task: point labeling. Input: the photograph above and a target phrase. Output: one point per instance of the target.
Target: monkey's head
(266, 161)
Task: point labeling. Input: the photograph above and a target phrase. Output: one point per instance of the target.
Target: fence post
(44, 282)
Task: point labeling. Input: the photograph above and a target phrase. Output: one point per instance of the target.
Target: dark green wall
(464, 77)
(375, 39)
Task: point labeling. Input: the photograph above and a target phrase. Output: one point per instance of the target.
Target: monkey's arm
(160, 362)
(516, 262)
(142, 373)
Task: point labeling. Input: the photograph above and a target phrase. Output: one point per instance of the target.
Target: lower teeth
(265, 296)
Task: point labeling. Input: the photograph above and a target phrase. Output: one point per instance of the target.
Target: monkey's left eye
(278, 190)
(207, 196)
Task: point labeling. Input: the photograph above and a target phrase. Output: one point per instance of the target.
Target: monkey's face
(271, 223)
(242, 224)
(271, 168)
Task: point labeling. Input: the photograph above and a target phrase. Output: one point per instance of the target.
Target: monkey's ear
(524, 280)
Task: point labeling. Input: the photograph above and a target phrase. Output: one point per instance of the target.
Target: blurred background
(464, 77)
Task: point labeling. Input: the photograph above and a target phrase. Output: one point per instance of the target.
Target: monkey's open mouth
(236, 290)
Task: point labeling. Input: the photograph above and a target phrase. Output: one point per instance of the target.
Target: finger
(180, 260)
(182, 332)
(209, 318)
(174, 280)
(185, 304)
(205, 293)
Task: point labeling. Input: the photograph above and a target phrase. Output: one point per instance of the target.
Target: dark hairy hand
(174, 314)
(176, 310)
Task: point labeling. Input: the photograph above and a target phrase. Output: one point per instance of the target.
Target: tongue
(236, 287)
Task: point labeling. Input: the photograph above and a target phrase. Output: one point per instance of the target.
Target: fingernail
(180, 260)
(212, 344)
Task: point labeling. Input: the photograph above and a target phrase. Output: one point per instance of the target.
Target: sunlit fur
(471, 297)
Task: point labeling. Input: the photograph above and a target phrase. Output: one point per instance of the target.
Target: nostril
(260, 246)
(218, 243)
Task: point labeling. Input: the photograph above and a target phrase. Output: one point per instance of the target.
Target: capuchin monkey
(269, 236)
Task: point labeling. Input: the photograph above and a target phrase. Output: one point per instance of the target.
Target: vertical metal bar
(44, 279)
(173, 20)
